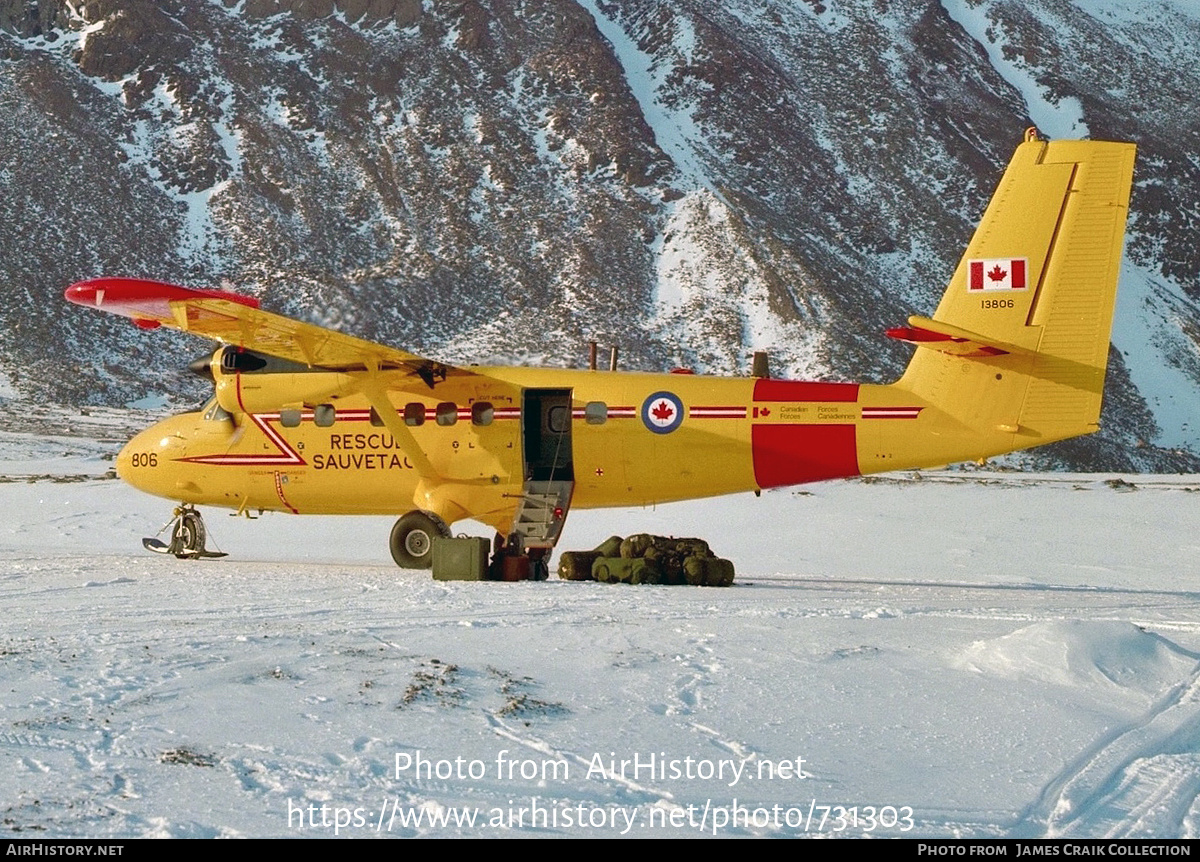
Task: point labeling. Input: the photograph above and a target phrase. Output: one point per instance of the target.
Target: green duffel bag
(602, 569)
(610, 547)
(576, 565)
(708, 571)
(694, 571)
(720, 572)
(644, 571)
(636, 546)
(693, 548)
(672, 566)
(625, 570)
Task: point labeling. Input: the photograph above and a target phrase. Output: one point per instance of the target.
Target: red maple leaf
(996, 273)
(662, 411)
(766, 411)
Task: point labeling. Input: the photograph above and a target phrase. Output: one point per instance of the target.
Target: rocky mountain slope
(503, 181)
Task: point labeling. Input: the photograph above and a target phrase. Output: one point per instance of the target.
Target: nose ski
(188, 537)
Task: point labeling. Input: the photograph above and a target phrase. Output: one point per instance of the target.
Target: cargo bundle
(646, 559)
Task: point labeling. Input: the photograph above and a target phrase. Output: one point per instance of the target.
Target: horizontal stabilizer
(945, 338)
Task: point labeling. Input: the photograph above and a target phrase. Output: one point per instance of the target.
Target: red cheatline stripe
(891, 412)
(273, 435)
(287, 455)
(717, 412)
(613, 413)
(242, 460)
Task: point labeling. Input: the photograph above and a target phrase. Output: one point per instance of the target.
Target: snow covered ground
(955, 655)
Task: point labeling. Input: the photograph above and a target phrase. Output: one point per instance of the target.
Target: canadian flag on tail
(997, 274)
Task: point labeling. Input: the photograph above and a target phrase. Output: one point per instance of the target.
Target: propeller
(202, 366)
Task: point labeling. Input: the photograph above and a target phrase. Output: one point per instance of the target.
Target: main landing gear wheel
(412, 539)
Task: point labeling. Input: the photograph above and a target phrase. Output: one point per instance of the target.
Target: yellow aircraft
(309, 420)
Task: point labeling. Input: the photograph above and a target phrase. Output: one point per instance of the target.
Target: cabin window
(559, 419)
(482, 413)
(289, 418)
(595, 413)
(324, 415)
(376, 419)
(414, 413)
(447, 413)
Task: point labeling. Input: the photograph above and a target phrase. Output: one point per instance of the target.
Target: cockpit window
(210, 411)
(214, 412)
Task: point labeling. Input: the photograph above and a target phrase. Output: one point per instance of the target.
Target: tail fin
(1018, 346)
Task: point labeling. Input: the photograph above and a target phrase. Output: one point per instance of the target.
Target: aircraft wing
(235, 319)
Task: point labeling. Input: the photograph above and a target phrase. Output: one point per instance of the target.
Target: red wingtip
(81, 293)
(141, 298)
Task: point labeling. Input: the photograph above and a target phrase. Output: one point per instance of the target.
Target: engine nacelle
(248, 382)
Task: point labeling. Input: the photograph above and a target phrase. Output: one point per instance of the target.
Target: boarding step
(542, 510)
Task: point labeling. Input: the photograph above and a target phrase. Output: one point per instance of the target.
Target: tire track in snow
(1139, 781)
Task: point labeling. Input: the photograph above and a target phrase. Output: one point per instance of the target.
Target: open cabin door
(548, 463)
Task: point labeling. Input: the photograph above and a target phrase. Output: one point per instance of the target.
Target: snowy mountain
(969, 655)
(486, 181)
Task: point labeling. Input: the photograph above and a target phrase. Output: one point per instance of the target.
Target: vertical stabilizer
(1018, 346)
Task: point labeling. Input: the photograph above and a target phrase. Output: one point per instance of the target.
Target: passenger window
(376, 419)
(447, 413)
(414, 413)
(289, 418)
(559, 419)
(595, 413)
(324, 415)
(482, 413)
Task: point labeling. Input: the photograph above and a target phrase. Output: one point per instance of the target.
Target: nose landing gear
(187, 536)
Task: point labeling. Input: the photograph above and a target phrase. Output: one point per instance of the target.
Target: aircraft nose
(122, 464)
(144, 461)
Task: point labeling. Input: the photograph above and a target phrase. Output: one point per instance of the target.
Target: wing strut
(401, 433)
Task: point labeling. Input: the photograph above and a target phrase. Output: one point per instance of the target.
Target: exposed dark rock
(493, 181)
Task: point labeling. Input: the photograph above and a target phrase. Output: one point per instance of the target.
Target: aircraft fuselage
(621, 438)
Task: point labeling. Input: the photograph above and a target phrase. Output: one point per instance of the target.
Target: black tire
(187, 541)
(412, 540)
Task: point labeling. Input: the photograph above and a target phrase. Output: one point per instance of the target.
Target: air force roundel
(662, 412)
